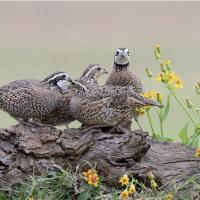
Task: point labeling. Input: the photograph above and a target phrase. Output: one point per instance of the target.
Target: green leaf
(84, 196)
(194, 141)
(183, 135)
(167, 107)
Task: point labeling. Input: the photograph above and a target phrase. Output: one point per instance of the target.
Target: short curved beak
(123, 55)
(104, 71)
(70, 80)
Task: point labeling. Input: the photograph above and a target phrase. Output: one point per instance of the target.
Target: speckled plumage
(62, 115)
(123, 76)
(107, 105)
(33, 99)
(90, 76)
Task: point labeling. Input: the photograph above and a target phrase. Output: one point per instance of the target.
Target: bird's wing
(33, 100)
(18, 84)
(90, 112)
(143, 101)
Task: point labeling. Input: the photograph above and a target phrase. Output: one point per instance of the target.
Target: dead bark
(32, 149)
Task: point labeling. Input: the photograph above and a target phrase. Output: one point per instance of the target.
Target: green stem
(161, 123)
(181, 104)
(151, 124)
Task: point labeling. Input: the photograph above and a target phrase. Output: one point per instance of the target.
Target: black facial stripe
(120, 66)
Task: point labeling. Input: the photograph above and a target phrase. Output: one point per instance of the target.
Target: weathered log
(32, 149)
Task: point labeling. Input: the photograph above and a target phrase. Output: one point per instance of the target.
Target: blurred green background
(37, 38)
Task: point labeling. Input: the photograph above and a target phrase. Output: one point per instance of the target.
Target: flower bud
(189, 103)
(154, 185)
(197, 89)
(169, 197)
(150, 176)
(148, 72)
(159, 98)
(168, 65)
(157, 48)
(197, 111)
(163, 67)
(157, 55)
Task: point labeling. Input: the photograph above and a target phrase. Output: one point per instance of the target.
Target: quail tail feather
(137, 98)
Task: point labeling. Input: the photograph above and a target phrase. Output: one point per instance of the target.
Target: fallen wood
(33, 149)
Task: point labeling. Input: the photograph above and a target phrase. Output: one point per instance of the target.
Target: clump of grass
(58, 185)
(87, 185)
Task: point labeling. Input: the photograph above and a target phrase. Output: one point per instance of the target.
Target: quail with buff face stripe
(106, 105)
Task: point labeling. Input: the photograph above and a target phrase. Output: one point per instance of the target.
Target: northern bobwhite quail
(123, 76)
(34, 99)
(91, 74)
(106, 105)
(62, 114)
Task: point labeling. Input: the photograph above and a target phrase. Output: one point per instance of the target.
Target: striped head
(80, 88)
(93, 72)
(61, 80)
(121, 58)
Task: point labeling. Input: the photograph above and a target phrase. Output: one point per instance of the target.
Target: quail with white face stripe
(34, 99)
(62, 115)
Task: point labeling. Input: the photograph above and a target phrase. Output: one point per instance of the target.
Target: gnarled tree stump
(32, 149)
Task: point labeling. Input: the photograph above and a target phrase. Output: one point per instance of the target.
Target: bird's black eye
(63, 77)
(128, 53)
(98, 68)
(117, 53)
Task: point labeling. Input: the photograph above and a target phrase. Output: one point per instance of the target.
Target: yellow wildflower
(150, 94)
(132, 189)
(169, 197)
(197, 152)
(178, 83)
(93, 179)
(141, 110)
(89, 172)
(160, 77)
(171, 77)
(124, 180)
(124, 194)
